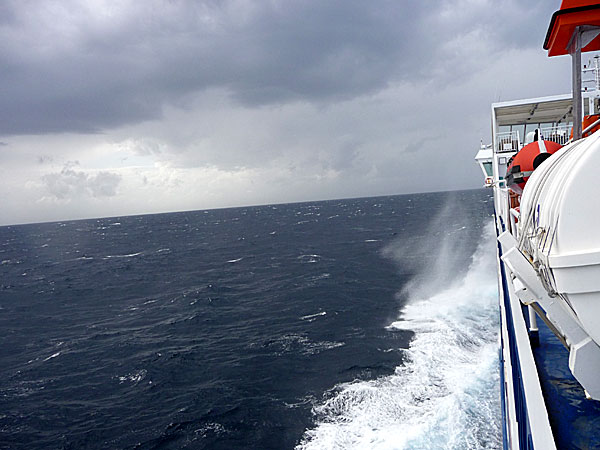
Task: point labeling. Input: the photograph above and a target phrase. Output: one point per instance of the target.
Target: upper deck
(514, 124)
(514, 121)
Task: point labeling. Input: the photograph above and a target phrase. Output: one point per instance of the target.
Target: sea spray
(446, 394)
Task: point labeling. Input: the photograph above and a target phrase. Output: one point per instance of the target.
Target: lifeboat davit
(521, 166)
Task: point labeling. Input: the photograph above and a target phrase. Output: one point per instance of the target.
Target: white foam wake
(446, 393)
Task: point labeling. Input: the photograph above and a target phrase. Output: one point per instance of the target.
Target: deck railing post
(575, 52)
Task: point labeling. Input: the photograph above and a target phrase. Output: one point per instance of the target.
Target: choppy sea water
(348, 324)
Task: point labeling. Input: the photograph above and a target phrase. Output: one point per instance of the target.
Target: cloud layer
(70, 183)
(85, 67)
(161, 101)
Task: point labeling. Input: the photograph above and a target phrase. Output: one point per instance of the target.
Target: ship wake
(446, 393)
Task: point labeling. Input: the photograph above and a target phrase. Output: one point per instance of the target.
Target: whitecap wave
(133, 377)
(233, 261)
(54, 355)
(129, 255)
(310, 259)
(212, 428)
(313, 316)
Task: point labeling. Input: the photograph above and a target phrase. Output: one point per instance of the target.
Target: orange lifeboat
(521, 166)
(589, 121)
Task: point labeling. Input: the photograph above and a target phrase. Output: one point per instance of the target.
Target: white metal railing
(508, 141)
(501, 200)
(558, 133)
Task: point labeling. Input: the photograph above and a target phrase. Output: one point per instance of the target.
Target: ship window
(519, 129)
(488, 168)
(531, 127)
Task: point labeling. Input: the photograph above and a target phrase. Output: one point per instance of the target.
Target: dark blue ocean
(363, 323)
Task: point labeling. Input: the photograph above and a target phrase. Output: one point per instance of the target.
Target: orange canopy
(571, 14)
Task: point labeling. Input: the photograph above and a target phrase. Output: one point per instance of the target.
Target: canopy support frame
(582, 36)
(574, 49)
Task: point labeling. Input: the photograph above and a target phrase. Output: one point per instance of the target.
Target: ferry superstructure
(544, 168)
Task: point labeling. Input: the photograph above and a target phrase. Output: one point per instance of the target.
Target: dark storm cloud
(70, 67)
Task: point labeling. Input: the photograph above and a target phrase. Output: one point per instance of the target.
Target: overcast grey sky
(126, 107)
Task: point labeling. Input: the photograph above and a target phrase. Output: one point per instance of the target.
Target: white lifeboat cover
(560, 227)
